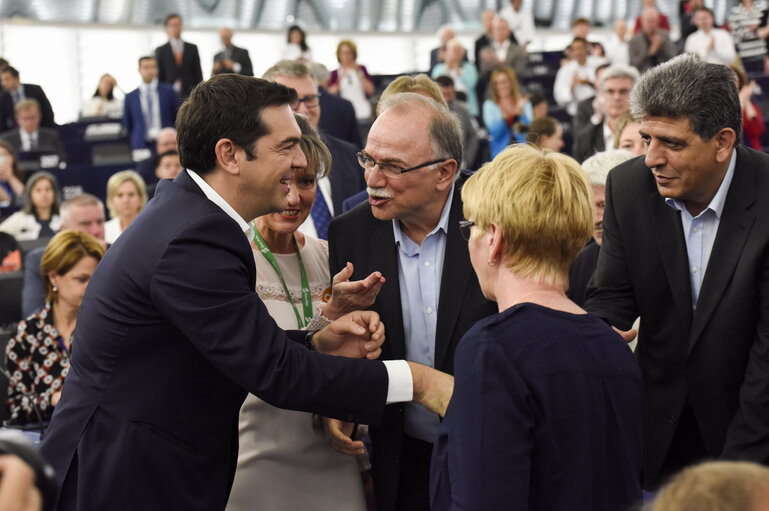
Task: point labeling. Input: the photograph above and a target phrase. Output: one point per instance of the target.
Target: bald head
(225, 34)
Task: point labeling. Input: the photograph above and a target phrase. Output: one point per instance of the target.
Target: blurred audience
(502, 51)
(10, 253)
(15, 91)
(712, 44)
(546, 133)
(30, 136)
(520, 20)
(485, 39)
(351, 80)
(662, 21)
(167, 166)
(587, 107)
(575, 80)
(231, 59)
(126, 196)
(438, 55)
(149, 108)
(750, 29)
(11, 176)
(538, 102)
(752, 120)
(38, 356)
(469, 125)
(39, 217)
(103, 103)
(84, 213)
(178, 61)
(296, 45)
(686, 10)
(596, 167)
(628, 134)
(507, 112)
(463, 73)
(652, 45)
(617, 47)
(337, 115)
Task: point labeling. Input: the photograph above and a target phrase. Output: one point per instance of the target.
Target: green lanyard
(306, 297)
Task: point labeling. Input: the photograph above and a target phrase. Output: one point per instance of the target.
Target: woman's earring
(492, 262)
(55, 289)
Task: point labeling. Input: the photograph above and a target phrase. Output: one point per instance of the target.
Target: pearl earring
(55, 289)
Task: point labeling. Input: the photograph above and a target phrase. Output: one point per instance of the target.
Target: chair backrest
(10, 297)
(28, 245)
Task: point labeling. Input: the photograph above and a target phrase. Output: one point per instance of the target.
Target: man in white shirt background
(709, 43)
(521, 21)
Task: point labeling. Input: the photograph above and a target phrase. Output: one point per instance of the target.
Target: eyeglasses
(310, 101)
(390, 169)
(464, 228)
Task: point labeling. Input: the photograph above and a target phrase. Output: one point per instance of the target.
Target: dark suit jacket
(171, 336)
(346, 174)
(337, 118)
(239, 55)
(369, 244)
(31, 91)
(190, 72)
(584, 112)
(713, 358)
(133, 117)
(48, 141)
(588, 141)
(33, 291)
(515, 58)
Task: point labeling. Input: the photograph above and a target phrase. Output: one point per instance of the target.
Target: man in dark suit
(613, 100)
(409, 231)
(178, 61)
(171, 335)
(231, 59)
(30, 136)
(337, 115)
(15, 91)
(485, 39)
(686, 247)
(346, 177)
(149, 108)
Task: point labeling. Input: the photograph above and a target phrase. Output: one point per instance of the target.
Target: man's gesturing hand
(358, 334)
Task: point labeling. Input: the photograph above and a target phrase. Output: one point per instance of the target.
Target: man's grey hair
(290, 68)
(444, 130)
(619, 71)
(687, 86)
(84, 199)
(597, 167)
(320, 72)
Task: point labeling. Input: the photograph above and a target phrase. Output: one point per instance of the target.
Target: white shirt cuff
(400, 387)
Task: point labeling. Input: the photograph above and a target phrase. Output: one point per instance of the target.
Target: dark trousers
(414, 484)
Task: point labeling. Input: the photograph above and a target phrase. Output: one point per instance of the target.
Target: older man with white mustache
(409, 231)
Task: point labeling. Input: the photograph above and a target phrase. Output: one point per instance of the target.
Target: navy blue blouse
(547, 414)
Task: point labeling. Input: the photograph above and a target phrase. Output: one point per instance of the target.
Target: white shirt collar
(719, 199)
(217, 199)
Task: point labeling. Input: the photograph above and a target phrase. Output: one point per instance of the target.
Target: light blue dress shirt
(700, 231)
(419, 272)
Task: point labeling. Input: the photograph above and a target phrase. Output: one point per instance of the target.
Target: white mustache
(379, 193)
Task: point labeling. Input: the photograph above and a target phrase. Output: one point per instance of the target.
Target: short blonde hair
(116, 180)
(420, 84)
(715, 486)
(620, 124)
(63, 252)
(542, 202)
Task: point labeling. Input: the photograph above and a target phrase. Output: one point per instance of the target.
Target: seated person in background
(10, 254)
(628, 135)
(11, 176)
(547, 410)
(546, 133)
(167, 166)
(507, 112)
(437, 55)
(166, 142)
(15, 91)
(38, 356)
(279, 447)
(149, 108)
(463, 73)
(103, 103)
(469, 125)
(539, 105)
(30, 135)
(711, 44)
(39, 217)
(652, 45)
(596, 167)
(587, 107)
(716, 485)
(575, 80)
(752, 120)
(126, 196)
(84, 213)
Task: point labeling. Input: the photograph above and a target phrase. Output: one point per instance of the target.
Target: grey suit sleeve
(610, 292)
(32, 293)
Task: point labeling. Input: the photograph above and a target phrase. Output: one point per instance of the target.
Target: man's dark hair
(170, 17)
(225, 106)
(10, 69)
(579, 40)
(4, 64)
(445, 81)
(688, 87)
(703, 8)
(145, 57)
(159, 157)
(537, 97)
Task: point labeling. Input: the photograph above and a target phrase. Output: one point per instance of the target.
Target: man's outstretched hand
(358, 334)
